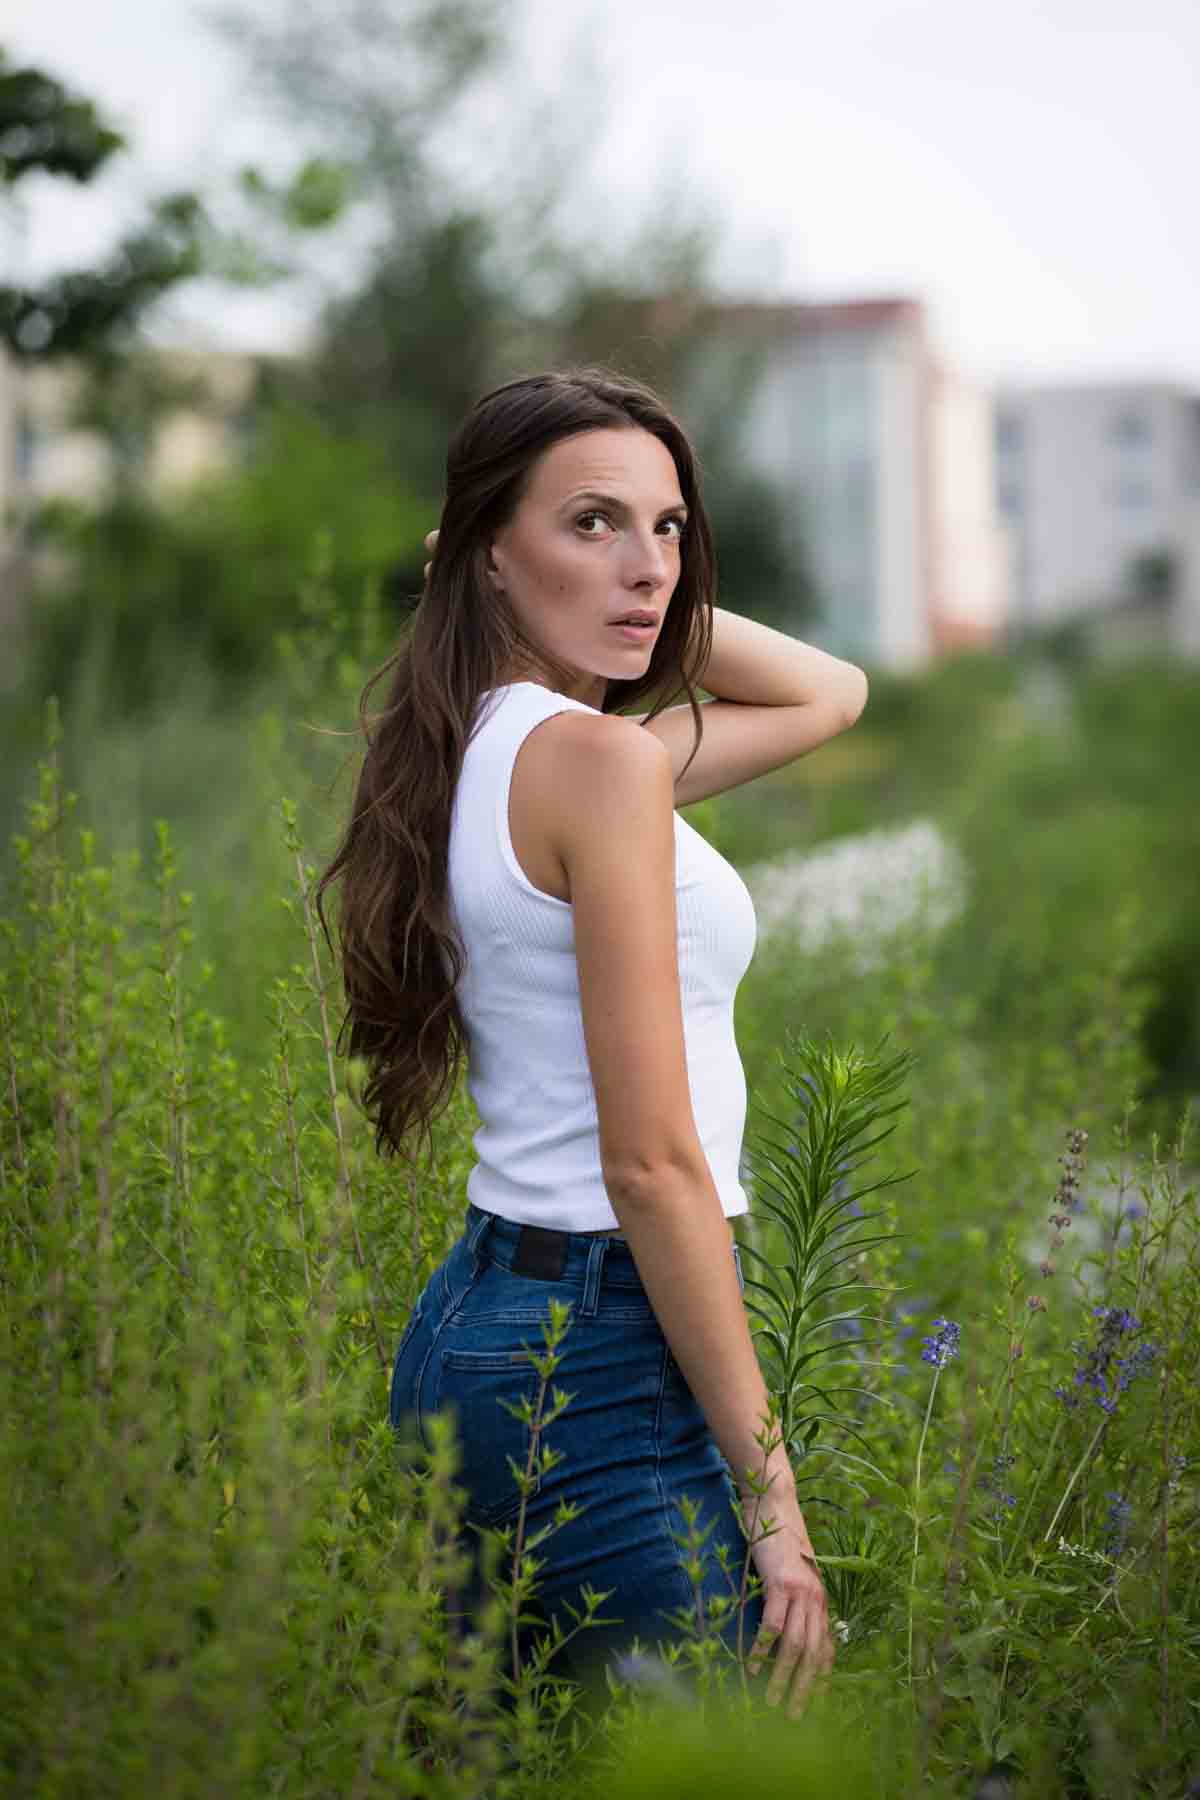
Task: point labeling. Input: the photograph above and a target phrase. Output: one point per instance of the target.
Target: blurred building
(930, 514)
(883, 453)
(1100, 484)
(181, 415)
(1186, 636)
(886, 458)
(53, 443)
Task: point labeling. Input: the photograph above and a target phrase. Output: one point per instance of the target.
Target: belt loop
(597, 1251)
(477, 1236)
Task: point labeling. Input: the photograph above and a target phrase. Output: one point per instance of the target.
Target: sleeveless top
(538, 1143)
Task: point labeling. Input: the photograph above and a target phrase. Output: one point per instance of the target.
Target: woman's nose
(647, 560)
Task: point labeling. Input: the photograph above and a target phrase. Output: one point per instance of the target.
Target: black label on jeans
(540, 1253)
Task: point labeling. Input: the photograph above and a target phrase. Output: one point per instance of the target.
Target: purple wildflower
(649, 1673)
(1126, 1219)
(1102, 1370)
(1116, 1318)
(1116, 1530)
(942, 1344)
(1139, 1362)
(993, 1483)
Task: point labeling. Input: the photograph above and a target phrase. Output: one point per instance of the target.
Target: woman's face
(596, 536)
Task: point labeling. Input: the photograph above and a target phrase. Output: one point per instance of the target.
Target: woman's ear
(491, 568)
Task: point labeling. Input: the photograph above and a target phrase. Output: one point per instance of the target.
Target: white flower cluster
(862, 888)
(1094, 1556)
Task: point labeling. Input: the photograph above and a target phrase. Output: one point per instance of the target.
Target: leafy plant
(810, 1332)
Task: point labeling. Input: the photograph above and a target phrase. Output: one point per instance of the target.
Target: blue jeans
(633, 1438)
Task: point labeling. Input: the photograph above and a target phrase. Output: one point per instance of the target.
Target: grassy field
(218, 1574)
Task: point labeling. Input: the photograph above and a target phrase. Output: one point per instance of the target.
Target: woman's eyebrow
(619, 505)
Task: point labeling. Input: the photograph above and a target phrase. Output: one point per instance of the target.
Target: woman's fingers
(790, 1657)
(768, 1630)
(804, 1648)
(431, 538)
(816, 1662)
(783, 1627)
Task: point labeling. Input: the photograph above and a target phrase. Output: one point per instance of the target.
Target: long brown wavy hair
(401, 957)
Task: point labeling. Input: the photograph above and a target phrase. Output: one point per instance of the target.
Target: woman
(520, 889)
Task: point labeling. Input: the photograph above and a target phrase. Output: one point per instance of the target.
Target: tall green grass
(219, 1572)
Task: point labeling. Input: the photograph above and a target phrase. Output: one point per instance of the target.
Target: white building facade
(1092, 480)
(885, 456)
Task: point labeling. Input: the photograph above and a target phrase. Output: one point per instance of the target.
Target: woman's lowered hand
(795, 1611)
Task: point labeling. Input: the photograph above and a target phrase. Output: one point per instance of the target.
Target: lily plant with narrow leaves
(811, 1286)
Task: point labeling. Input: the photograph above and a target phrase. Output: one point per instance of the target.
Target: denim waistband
(495, 1239)
(588, 1255)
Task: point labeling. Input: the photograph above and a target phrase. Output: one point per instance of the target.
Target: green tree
(217, 571)
(45, 128)
(141, 573)
(42, 127)
(404, 327)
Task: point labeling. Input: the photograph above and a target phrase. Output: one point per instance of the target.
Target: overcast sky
(1027, 168)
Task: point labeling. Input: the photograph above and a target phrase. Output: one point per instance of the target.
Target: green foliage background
(213, 573)
(206, 1271)
(218, 1573)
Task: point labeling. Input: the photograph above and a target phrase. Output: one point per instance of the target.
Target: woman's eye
(584, 518)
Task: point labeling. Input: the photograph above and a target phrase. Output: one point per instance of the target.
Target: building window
(1130, 429)
(858, 476)
(1190, 462)
(1131, 495)
(25, 445)
(1010, 436)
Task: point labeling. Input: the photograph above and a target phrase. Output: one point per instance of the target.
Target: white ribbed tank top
(538, 1143)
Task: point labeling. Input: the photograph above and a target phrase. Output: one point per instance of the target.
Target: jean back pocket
(482, 1386)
